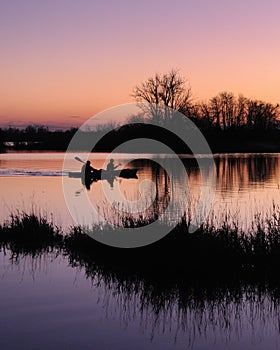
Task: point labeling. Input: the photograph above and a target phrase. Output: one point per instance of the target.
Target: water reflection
(246, 184)
(244, 171)
(161, 301)
(243, 185)
(144, 190)
(195, 314)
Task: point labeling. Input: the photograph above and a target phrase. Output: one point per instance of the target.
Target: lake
(48, 300)
(247, 185)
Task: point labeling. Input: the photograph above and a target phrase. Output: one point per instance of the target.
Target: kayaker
(87, 169)
(111, 166)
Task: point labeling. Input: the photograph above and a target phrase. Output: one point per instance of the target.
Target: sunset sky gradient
(62, 61)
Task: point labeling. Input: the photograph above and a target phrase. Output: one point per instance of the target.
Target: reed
(209, 252)
(30, 233)
(205, 279)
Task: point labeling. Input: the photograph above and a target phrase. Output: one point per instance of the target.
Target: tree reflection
(235, 172)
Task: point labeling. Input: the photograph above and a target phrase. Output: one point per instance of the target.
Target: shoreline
(217, 152)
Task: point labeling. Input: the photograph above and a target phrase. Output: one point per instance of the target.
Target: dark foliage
(210, 252)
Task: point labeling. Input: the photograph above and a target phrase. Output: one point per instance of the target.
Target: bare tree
(223, 107)
(215, 110)
(226, 111)
(262, 115)
(170, 90)
(241, 111)
(201, 115)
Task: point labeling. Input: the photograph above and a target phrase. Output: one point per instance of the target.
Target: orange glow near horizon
(62, 63)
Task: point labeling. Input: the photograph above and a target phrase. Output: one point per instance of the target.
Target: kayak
(99, 174)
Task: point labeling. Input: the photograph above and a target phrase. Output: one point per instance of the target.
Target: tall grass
(182, 277)
(29, 234)
(208, 252)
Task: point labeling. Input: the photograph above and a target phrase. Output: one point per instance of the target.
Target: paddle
(82, 161)
(79, 159)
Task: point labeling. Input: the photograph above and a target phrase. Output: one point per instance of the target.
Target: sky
(63, 61)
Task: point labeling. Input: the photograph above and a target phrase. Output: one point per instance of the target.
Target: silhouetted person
(111, 166)
(87, 171)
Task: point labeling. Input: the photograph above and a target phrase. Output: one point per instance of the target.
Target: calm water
(246, 185)
(46, 302)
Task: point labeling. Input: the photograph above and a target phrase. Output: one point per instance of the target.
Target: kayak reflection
(94, 175)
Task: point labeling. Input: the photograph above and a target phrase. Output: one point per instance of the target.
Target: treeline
(238, 124)
(35, 138)
(226, 111)
(229, 123)
(223, 112)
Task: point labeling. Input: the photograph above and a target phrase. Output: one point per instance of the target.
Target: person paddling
(111, 166)
(87, 170)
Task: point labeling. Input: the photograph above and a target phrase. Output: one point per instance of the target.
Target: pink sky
(62, 61)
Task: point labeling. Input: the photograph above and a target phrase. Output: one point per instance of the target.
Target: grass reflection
(212, 282)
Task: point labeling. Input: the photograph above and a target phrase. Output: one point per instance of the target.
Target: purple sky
(64, 60)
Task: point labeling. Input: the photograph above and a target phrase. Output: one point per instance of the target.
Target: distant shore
(216, 148)
(219, 141)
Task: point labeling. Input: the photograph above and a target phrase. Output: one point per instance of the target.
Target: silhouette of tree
(262, 115)
(225, 111)
(168, 89)
(241, 111)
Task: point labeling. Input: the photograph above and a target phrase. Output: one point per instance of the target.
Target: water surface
(47, 303)
(247, 185)
(53, 301)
